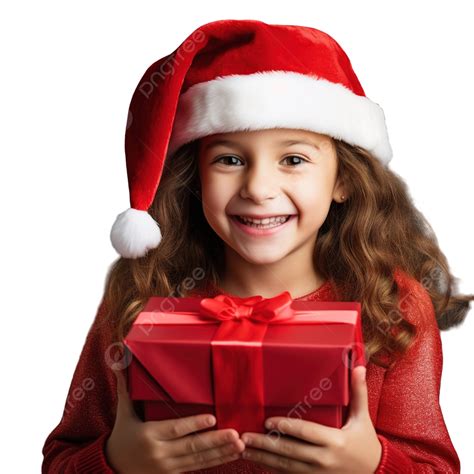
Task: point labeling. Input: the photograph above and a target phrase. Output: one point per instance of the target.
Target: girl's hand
(165, 446)
(354, 448)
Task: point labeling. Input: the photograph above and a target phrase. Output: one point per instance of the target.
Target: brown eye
(227, 157)
(292, 163)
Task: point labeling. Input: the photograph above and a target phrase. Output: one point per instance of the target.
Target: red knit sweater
(403, 401)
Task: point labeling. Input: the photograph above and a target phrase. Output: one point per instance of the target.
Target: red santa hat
(234, 75)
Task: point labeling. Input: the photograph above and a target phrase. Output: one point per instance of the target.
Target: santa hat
(234, 75)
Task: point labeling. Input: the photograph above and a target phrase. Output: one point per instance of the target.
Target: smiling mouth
(266, 223)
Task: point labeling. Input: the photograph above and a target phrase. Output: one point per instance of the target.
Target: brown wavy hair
(362, 242)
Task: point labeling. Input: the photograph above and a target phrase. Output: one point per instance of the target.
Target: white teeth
(266, 223)
(267, 220)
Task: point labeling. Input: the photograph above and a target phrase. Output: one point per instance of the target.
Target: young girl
(256, 150)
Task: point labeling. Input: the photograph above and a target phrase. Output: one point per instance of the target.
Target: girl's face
(286, 175)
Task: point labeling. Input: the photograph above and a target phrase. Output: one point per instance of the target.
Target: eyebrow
(298, 142)
(281, 142)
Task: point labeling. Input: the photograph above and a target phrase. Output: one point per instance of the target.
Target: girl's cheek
(219, 193)
(313, 207)
(216, 197)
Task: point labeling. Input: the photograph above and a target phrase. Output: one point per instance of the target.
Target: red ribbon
(256, 308)
(237, 355)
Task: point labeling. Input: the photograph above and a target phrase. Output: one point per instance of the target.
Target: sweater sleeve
(410, 424)
(77, 443)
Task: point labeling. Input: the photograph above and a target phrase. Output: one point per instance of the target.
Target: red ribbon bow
(256, 308)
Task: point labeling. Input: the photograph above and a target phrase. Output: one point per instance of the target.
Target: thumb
(359, 397)
(124, 404)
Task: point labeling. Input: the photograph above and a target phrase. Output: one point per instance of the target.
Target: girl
(255, 148)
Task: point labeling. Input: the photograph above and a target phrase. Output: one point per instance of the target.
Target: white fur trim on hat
(134, 232)
(280, 99)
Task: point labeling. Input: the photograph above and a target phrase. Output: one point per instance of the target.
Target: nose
(259, 184)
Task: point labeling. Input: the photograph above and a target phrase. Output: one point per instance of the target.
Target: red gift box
(244, 359)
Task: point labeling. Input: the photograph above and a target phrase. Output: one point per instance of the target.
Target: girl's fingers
(218, 461)
(195, 443)
(314, 433)
(177, 428)
(284, 446)
(124, 404)
(278, 462)
(360, 399)
(201, 459)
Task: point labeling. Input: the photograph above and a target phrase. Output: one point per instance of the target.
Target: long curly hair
(362, 242)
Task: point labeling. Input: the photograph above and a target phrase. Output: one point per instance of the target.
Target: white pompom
(134, 232)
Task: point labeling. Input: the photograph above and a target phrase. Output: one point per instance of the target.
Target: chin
(261, 258)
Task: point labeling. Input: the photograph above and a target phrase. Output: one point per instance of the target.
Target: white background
(68, 73)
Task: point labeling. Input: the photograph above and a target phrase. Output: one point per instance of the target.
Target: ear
(339, 190)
